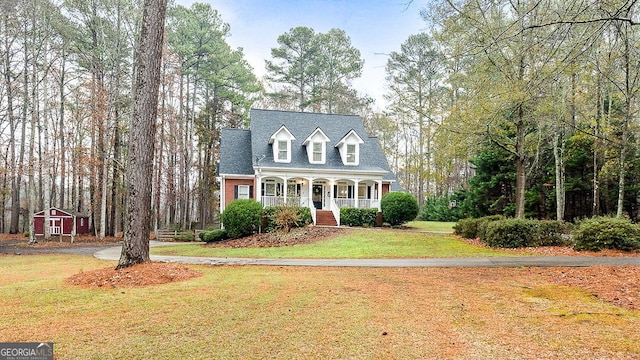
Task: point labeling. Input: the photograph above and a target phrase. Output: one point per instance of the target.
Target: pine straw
(140, 275)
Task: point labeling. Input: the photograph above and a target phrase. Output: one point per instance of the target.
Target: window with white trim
(362, 192)
(317, 152)
(343, 191)
(283, 150)
(351, 153)
(243, 191)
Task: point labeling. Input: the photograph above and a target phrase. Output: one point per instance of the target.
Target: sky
(376, 28)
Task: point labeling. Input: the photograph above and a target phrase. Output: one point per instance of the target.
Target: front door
(318, 192)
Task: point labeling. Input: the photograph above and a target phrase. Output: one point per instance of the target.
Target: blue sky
(375, 27)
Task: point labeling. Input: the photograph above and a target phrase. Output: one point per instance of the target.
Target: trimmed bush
(358, 216)
(213, 235)
(553, 233)
(398, 208)
(606, 233)
(185, 236)
(471, 228)
(241, 217)
(511, 233)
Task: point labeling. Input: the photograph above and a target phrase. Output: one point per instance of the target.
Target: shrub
(398, 208)
(213, 235)
(286, 217)
(185, 236)
(471, 228)
(511, 233)
(553, 233)
(272, 213)
(358, 216)
(241, 217)
(606, 233)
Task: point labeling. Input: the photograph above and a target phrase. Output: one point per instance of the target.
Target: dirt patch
(140, 275)
(297, 236)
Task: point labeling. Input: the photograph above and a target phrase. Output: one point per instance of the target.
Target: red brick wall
(229, 186)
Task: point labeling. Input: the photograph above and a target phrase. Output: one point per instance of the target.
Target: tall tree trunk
(595, 208)
(135, 248)
(558, 155)
(61, 135)
(521, 175)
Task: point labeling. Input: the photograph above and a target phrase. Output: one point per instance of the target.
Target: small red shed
(61, 222)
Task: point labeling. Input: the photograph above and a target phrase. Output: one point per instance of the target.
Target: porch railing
(279, 201)
(340, 203)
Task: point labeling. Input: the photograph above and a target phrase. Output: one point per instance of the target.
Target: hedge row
(591, 234)
(358, 216)
(498, 231)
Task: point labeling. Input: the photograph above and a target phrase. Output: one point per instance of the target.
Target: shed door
(55, 226)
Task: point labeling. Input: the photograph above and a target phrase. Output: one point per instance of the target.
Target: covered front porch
(319, 193)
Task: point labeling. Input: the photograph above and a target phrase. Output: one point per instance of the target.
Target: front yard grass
(357, 244)
(255, 312)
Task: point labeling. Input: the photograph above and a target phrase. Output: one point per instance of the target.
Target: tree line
(537, 99)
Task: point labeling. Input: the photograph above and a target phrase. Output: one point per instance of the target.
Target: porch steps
(325, 218)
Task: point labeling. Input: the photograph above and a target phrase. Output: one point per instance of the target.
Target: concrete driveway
(523, 261)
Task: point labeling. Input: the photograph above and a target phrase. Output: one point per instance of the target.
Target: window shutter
(335, 191)
(235, 192)
(350, 192)
(250, 192)
(368, 192)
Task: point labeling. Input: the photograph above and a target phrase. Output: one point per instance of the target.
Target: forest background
(522, 108)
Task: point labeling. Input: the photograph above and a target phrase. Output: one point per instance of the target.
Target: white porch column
(259, 189)
(355, 193)
(331, 193)
(285, 190)
(379, 194)
(310, 194)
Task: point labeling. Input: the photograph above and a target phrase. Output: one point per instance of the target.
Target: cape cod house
(320, 161)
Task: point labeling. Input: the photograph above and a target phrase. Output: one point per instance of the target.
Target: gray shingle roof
(235, 152)
(241, 149)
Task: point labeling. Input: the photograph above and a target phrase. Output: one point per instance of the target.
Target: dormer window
(316, 144)
(349, 147)
(283, 153)
(351, 153)
(317, 152)
(281, 144)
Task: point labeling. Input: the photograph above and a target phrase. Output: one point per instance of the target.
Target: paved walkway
(523, 261)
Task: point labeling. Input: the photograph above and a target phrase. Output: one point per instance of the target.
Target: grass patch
(358, 244)
(435, 226)
(255, 312)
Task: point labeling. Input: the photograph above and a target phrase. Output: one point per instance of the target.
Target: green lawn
(435, 226)
(255, 312)
(357, 244)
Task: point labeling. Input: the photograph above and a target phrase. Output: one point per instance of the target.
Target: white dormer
(349, 147)
(316, 144)
(281, 145)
